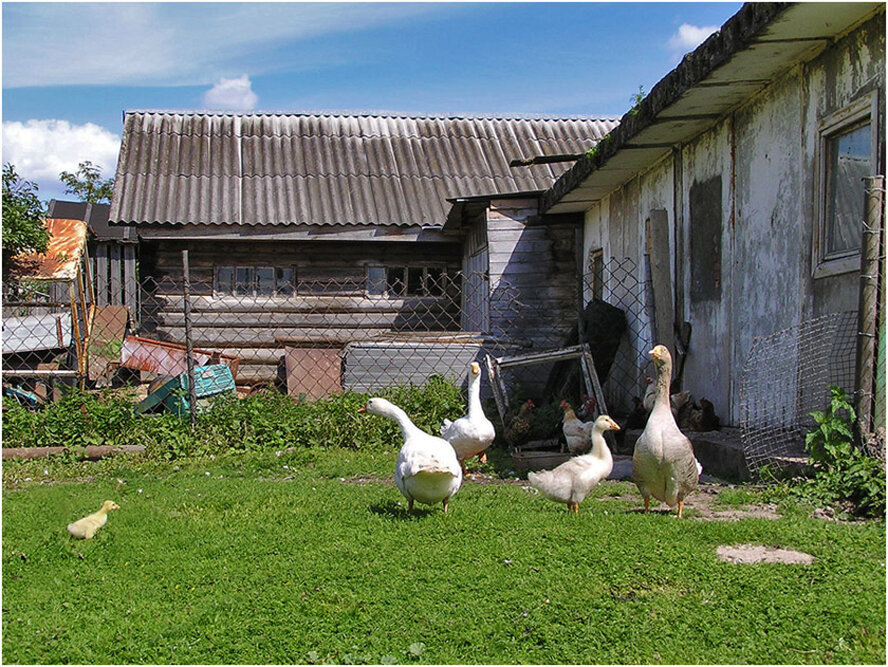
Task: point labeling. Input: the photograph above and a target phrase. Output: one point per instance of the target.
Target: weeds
(843, 474)
(260, 422)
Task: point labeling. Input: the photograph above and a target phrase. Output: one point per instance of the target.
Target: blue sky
(71, 69)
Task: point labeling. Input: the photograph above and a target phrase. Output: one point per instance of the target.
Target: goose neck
(474, 396)
(600, 450)
(396, 414)
(664, 377)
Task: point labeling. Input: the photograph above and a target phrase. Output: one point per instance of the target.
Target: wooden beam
(661, 277)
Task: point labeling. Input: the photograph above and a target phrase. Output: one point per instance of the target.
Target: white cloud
(42, 149)
(231, 95)
(172, 43)
(689, 37)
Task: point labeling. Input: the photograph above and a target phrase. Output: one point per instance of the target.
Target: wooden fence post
(189, 344)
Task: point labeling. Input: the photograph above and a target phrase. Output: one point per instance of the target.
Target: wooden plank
(591, 378)
(661, 277)
(172, 302)
(115, 296)
(101, 277)
(106, 339)
(410, 321)
(500, 396)
(130, 288)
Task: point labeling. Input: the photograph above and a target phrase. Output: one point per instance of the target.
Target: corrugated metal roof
(67, 241)
(329, 169)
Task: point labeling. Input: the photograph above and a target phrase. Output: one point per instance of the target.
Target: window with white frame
(254, 281)
(847, 155)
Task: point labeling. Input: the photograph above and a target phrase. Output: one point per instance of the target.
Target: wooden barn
(344, 250)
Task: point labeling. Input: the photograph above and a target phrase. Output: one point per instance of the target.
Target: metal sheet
(67, 243)
(36, 332)
(106, 339)
(329, 169)
(164, 358)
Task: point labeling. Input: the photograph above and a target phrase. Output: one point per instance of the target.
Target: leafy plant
(87, 183)
(260, 422)
(843, 473)
(23, 229)
(636, 100)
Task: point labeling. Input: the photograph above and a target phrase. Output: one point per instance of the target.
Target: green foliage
(843, 473)
(260, 422)
(87, 183)
(636, 100)
(23, 229)
(595, 153)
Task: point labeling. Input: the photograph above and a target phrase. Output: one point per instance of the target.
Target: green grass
(257, 563)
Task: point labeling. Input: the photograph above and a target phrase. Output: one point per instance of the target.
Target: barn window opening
(847, 163)
(400, 281)
(253, 281)
(847, 149)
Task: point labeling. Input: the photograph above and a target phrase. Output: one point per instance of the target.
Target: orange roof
(67, 243)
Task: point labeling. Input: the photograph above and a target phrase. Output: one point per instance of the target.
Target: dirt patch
(755, 553)
(702, 506)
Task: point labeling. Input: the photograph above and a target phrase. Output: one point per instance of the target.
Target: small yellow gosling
(86, 527)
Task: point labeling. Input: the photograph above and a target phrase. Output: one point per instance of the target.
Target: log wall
(330, 308)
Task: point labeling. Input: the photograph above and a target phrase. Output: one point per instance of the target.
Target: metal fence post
(868, 307)
(189, 345)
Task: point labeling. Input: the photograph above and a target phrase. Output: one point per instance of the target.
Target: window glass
(376, 280)
(434, 282)
(224, 280)
(848, 161)
(394, 281)
(243, 281)
(414, 281)
(284, 281)
(264, 276)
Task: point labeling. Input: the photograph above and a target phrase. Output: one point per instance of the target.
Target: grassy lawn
(244, 560)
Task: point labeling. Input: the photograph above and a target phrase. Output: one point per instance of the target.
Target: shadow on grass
(395, 510)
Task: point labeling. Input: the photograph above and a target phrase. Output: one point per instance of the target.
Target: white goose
(574, 479)
(427, 470)
(663, 463)
(470, 435)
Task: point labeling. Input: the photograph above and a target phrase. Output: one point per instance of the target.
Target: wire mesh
(786, 377)
(331, 335)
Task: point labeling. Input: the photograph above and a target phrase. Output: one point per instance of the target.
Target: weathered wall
(746, 270)
(533, 283)
(320, 313)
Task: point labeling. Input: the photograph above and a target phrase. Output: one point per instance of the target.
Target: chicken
(663, 463)
(86, 527)
(574, 479)
(586, 411)
(519, 429)
(577, 434)
(704, 417)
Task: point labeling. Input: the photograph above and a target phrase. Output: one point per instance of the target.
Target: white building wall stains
(764, 156)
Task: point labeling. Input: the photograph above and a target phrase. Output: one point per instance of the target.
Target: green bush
(843, 474)
(260, 422)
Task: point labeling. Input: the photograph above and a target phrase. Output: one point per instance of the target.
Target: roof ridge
(379, 114)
